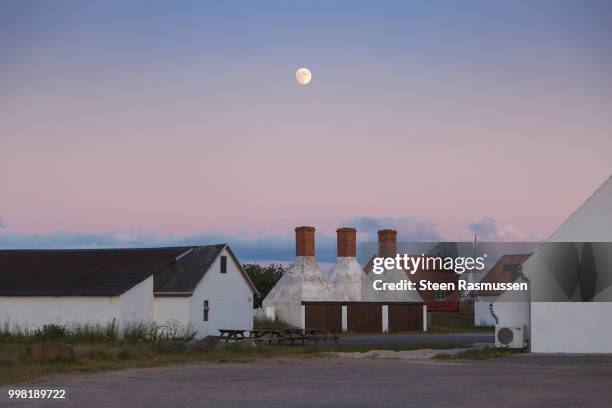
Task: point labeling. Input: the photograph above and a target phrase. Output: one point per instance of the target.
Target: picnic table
(228, 335)
(322, 334)
(279, 336)
(295, 334)
(291, 335)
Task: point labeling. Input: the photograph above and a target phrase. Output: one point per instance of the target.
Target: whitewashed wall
(136, 304)
(576, 326)
(171, 308)
(512, 308)
(572, 327)
(32, 312)
(482, 314)
(513, 313)
(289, 312)
(230, 300)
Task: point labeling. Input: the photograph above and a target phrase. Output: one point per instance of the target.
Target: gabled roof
(80, 272)
(506, 270)
(181, 277)
(106, 272)
(592, 221)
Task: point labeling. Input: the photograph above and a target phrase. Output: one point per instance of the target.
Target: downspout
(493, 313)
(524, 277)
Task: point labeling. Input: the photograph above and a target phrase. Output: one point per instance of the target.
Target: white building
(507, 269)
(302, 281)
(570, 307)
(204, 287)
(347, 275)
(305, 298)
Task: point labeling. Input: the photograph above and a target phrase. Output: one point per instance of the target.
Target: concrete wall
(571, 327)
(230, 300)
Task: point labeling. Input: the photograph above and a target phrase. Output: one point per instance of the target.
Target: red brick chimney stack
(387, 243)
(347, 241)
(304, 241)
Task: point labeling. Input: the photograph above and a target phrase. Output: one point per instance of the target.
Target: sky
(164, 123)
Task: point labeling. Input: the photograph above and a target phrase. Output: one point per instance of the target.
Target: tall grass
(132, 332)
(13, 332)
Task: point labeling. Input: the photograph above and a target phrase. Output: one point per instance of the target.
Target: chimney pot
(347, 241)
(387, 243)
(304, 241)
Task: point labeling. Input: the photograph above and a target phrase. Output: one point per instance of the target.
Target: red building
(436, 300)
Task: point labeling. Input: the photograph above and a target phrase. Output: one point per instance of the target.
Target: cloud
(256, 247)
(2, 223)
(409, 229)
(488, 230)
(261, 247)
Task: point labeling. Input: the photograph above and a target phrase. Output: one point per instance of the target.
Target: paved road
(518, 381)
(420, 338)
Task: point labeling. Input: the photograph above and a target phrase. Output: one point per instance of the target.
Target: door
(364, 318)
(405, 318)
(323, 316)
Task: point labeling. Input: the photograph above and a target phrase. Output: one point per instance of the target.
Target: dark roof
(75, 272)
(106, 272)
(506, 270)
(183, 275)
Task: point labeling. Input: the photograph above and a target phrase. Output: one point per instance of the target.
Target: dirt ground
(521, 381)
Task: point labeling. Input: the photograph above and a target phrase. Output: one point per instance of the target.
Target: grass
(133, 332)
(481, 354)
(16, 366)
(455, 322)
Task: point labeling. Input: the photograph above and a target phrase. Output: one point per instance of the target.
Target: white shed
(102, 286)
(207, 289)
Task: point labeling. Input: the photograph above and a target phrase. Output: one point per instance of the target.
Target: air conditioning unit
(510, 335)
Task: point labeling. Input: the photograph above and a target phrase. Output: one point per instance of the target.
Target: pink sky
(159, 133)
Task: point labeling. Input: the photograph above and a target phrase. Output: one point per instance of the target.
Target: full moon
(303, 76)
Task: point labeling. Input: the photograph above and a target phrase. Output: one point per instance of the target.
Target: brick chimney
(387, 243)
(347, 240)
(304, 241)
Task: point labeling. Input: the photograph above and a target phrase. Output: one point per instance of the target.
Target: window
(440, 295)
(206, 310)
(224, 264)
